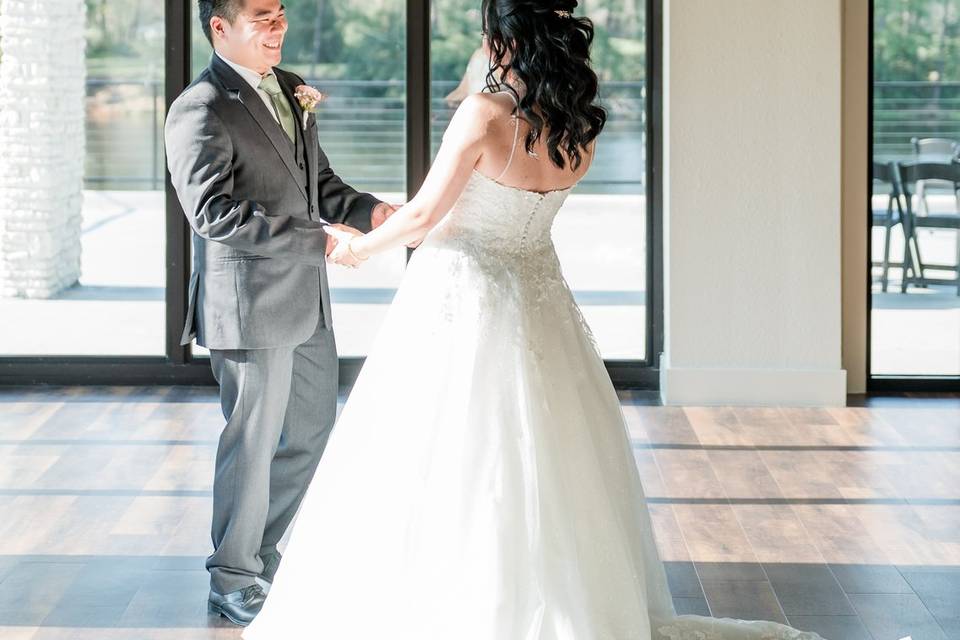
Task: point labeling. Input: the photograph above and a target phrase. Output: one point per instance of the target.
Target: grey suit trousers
(280, 405)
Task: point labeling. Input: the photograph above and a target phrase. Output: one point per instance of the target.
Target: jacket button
(301, 165)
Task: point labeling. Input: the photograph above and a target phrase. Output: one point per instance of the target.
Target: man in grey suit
(257, 190)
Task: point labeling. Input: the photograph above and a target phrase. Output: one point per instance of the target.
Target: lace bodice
(499, 221)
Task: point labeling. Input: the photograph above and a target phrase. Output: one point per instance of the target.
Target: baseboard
(785, 387)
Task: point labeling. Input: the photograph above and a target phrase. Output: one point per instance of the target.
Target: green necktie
(281, 106)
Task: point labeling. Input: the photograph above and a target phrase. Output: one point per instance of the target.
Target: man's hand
(334, 237)
(381, 212)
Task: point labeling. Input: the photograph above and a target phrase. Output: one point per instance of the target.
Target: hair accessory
(562, 13)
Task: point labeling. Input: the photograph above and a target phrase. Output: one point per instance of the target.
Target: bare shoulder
(480, 113)
(483, 107)
(472, 119)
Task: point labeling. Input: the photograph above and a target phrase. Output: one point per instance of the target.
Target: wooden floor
(843, 521)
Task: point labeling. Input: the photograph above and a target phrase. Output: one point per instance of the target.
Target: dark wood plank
(808, 589)
(896, 616)
(832, 627)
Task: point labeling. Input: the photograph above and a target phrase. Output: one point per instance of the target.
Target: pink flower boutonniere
(309, 99)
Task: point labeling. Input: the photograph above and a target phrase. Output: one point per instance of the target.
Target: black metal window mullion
(868, 274)
(645, 373)
(418, 95)
(177, 76)
(654, 188)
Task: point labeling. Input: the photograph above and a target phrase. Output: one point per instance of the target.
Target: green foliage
(313, 36)
(619, 46)
(124, 35)
(916, 55)
(455, 27)
(917, 40)
(346, 39)
(373, 37)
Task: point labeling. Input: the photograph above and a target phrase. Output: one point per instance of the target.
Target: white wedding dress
(479, 484)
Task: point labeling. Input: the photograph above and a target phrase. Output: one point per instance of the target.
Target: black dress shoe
(239, 607)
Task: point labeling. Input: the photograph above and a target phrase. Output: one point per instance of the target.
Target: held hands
(333, 240)
(339, 235)
(339, 250)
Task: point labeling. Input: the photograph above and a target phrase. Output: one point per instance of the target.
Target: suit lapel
(240, 90)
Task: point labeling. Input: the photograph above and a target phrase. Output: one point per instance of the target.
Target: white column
(42, 92)
(856, 50)
(752, 132)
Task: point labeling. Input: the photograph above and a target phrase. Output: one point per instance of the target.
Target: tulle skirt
(479, 484)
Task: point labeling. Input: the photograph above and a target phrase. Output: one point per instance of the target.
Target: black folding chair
(932, 150)
(910, 175)
(886, 178)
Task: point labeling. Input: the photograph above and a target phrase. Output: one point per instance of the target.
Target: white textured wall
(42, 86)
(752, 208)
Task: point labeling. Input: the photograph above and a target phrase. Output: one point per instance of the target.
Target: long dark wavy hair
(549, 53)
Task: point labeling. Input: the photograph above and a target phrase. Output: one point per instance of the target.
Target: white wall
(752, 118)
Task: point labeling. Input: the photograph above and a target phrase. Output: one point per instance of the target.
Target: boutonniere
(309, 99)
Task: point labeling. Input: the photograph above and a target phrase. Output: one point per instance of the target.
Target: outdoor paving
(118, 309)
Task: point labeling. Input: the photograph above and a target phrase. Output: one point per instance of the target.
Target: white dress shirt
(253, 79)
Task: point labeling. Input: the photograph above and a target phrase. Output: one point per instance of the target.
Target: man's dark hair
(226, 9)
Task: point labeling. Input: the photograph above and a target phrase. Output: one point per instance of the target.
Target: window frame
(885, 383)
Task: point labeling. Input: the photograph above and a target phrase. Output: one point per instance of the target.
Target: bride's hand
(342, 253)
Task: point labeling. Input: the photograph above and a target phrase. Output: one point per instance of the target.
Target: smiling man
(257, 190)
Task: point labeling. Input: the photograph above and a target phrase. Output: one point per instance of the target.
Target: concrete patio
(118, 306)
(917, 333)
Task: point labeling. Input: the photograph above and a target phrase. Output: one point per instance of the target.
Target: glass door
(915, 295)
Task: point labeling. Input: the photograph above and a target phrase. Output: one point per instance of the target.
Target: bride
(479, 484)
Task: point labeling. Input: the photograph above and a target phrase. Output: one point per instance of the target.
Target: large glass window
(915, 308)
(81, 180)
(354, 52)
(608, 276)
(90, 243)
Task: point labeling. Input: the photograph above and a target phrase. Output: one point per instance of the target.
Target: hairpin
(562, 13)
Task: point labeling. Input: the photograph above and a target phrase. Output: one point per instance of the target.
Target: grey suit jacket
(259, 275)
